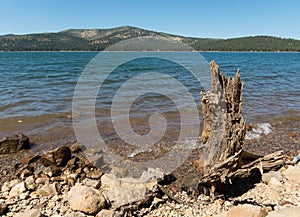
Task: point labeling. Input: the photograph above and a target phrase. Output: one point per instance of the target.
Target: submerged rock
(14, 144)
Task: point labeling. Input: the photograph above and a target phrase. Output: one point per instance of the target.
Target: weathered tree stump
(224, 127)
(223, 134)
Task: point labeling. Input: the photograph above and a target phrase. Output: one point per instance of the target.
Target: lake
(37, 90)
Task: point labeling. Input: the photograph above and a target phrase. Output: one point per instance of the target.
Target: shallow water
(37, 89)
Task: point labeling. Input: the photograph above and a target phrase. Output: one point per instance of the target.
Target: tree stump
(224, 129)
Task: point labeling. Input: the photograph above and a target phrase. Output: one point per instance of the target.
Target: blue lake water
(41, 84)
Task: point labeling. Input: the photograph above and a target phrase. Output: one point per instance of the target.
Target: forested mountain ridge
(99, 39)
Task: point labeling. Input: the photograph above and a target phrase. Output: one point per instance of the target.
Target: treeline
(255, 43)
(100, 39)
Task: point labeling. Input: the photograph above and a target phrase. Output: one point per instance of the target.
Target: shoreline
(187, 202)
(54, 129)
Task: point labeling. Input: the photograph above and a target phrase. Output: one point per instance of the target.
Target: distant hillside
(99, 39)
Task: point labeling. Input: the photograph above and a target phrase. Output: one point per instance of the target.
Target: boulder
(13, 144)
(85, 199)
(120, 192)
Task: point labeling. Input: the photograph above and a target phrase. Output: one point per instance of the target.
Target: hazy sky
(207, 18)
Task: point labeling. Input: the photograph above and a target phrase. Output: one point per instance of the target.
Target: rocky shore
(62, 182)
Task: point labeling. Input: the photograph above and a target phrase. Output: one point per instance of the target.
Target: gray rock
(85, 199)
(13, 144)
(124, 191)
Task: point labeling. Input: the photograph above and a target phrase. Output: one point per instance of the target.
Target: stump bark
(224, 129)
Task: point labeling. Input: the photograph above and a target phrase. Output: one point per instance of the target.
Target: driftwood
(223, 158)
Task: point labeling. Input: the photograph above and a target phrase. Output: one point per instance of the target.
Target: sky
(197, 18)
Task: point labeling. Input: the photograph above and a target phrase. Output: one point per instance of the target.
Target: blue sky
(214, 19)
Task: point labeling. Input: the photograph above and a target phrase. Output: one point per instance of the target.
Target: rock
(5, 187)
(58, 157)
(124, 191)
(296, 159)
(28, 159)
(3, 209)
(105, 213)
(245, 210)
(267, 176)
(61, 156)
(74, 163)
(272, 194)
(276, 185)
(30, 213)
(151, 174)
(286, 212)
(85, 199)
(91, 183)
(52, 170)
(292, 173)
(25, 172)
(74, 214)
(48, 190)
(13, 144)
(17, 189)
(42, 180)
(75, 148)
(118, 171)
(94, 174)
(29, 182)
(24, 195)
